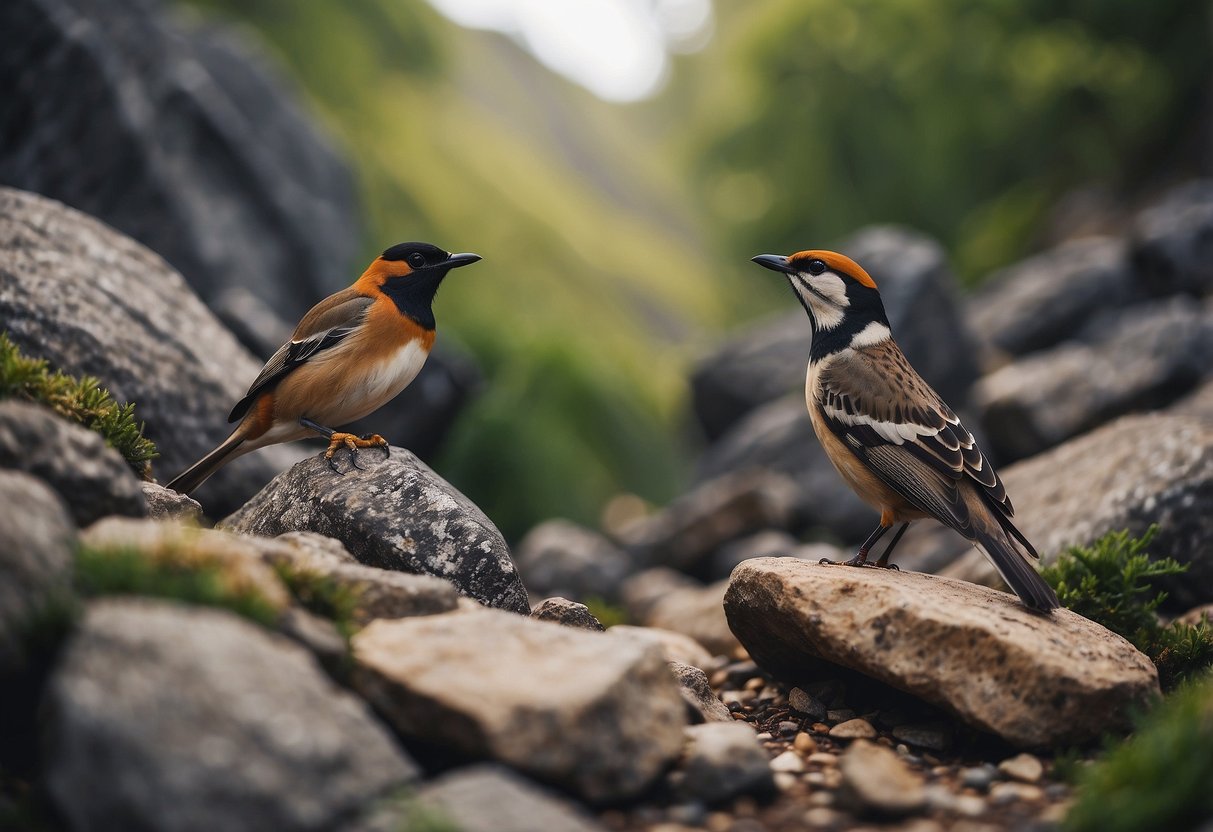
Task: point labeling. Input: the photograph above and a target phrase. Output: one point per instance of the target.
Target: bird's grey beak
(457, 260)
(774, 262)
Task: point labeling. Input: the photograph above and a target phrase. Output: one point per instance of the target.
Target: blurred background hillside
(617, 233)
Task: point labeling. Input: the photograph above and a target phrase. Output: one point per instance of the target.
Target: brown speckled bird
(353, 352)
(891, 437)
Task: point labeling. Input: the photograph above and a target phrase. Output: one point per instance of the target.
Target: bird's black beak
(457, 260)
(774, 262)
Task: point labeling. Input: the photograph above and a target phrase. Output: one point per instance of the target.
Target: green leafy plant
(128, 571)
(1159, 779)
(1115, 583)
(82, 400)
(608, 614)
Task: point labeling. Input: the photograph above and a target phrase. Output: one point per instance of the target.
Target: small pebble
(788, 761)
(804, 743)
(765, 735)
(1057, 791)
(1004, 793)
(978, 777)
(803, 702)
(789, 727)
(823, 758)
(1022, 767)
(719, 822)
(853, 729)
(930, 737)
(820, 816)
(969, 806)
(756, 683)
(821, 728)
(840, 715)
(785, 780)
(821, 798)
(691, 814)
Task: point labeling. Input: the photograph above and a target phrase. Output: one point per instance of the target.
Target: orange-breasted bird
(890, 436)
(352, 352)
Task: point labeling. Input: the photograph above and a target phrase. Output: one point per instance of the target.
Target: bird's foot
(884, 564)
(353, 443)
(859, 560)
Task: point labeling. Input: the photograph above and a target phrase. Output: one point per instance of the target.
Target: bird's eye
(816, 267)
(416, 260)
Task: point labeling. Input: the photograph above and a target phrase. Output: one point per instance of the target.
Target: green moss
(323, 596)
(1114, 582)
(80, 399)
(128, 571)
(1160, 778)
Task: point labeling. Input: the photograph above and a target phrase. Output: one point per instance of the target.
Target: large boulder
(779, 437)
(599, 716)
(1130, 474)
(94, 302)
(36, 541)
(393, 513)
(182, 136)
(1032, 679)
(92, 478)
(768, 360)
(166, 717)
(1173, 241)
(1046, 299)
(1141, 359)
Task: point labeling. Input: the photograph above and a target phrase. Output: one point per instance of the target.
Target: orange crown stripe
(837, 263)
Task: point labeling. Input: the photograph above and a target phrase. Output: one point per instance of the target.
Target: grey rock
(166, 504)
(875, 779)
(378, 593)
(779, 437)
(1144, 359)
(93, 479)
(702, 703)
(491, 798)
(724, 760)
(1173, 241)
(931, 736)
(768, 360)
(598, 716)
(169, 717)
(1022, 767)
(688, 530)
(1046, 299)
(36, 541)
(561, 558)
(181, 136)
(697, 612)
(644, 590)
(979, 777)
(79, 294)
(1032, 679)
(566, 612)
(1198, 404)
(1137, 471)
(767, 543)
(319, 635)
(395, 513)
(676, 647)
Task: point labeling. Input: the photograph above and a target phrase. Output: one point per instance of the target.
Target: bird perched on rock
(351, 354)
(891, 437)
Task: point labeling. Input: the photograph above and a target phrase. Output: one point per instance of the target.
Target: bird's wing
(328, 323)
(876, 403)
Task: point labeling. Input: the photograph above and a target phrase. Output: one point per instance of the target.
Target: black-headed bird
(352, 353)
(890, 436)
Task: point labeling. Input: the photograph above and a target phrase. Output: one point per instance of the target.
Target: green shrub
(80, 399)
(1160, 778)
(128, 571)
(1114, 583)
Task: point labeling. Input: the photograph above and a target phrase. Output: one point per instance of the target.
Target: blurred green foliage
(616, 238)
(966, 119)
(1158, 779)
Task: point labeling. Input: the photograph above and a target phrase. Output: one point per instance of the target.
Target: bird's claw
(374, 439)
(352, 444)
(827, 562)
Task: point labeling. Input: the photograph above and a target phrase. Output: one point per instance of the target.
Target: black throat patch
(414, 293)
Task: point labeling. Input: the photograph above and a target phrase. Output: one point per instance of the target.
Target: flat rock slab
(169, 717)
(597, 715)
(394, 513)
(1034, 680)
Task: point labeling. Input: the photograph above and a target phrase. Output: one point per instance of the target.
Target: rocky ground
(362, 649)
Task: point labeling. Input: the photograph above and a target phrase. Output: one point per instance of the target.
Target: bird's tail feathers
(1016, 570)
(196, 474)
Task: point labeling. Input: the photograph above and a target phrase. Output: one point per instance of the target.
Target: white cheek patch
(832, 287)
(826, 296)
(871, 335)
(827, 315)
